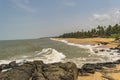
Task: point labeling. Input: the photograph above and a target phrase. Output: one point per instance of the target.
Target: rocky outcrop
(104, 43)
(92, 68)
(100, 71)
(8, 66)
(37, 70)
(117, 40)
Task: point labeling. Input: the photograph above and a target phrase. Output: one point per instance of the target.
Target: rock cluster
(37, 70)
(92, 68)
(117, 40)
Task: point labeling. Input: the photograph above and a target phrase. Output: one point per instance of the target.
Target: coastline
(91, 41)
(106, 73)
(104, 47)
(107, 70)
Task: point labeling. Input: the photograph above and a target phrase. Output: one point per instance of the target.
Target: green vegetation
(114, 36)
(100, 31)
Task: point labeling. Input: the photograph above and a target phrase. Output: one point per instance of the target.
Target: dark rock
(98, 44)
(109, 65)
(92, 68)
(104, 43)
(117, 62)
(117, 48)
(37, 76)
(64, 71)
(19, 73)
(7, 66)
(88, 68)
(4, 66)
(117, 40)
(95, 50)
(37, 70)
(112, 48)
(101, 50)
(13, 64)
(82, 72)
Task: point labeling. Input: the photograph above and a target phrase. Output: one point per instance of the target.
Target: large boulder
(7, 66)
(61, 71)
(22, 72)
(92, 68)
(37, 70)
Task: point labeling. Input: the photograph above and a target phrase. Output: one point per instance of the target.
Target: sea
(51, 50)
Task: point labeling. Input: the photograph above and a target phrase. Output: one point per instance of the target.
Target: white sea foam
(6, 70)
(59, 40)
(82, 60)
(47, 55)
(112, 55)
(90, 47)
(50, 55)
(4, 61)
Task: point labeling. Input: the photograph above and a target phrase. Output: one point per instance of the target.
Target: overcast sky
(22, 19)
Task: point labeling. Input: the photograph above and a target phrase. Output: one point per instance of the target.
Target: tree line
(101, 31)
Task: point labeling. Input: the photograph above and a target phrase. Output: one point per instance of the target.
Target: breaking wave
(50, 55)
(47, 55)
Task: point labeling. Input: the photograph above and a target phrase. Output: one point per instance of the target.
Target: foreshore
(37, 70)
(105, 73)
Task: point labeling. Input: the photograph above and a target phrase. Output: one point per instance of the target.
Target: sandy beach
(92, 41)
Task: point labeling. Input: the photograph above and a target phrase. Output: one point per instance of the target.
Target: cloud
(106, 18)
(117, 14)
(101, 17)
(23, 4)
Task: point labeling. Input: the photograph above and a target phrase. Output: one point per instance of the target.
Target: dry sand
(84, 41)
(96, 76)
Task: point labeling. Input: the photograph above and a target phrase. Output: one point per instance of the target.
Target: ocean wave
(89, 47)
(47, 55)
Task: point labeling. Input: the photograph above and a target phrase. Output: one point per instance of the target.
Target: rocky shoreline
(37, 70)
(100, 71)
